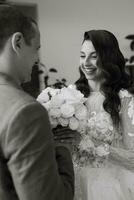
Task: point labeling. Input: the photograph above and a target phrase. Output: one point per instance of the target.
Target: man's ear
(17, 41)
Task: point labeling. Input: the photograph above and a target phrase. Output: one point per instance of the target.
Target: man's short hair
(12, 21)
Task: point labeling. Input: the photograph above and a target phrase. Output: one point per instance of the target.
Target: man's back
(10, 99)
(28, 168)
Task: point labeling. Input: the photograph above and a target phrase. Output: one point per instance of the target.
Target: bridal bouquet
(65, 107)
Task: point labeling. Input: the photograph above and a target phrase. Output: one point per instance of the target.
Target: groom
(32, 167)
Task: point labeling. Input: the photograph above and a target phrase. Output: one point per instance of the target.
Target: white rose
(67, 110)
(43, 97)
(73, 123)
(72, 95)
(55, 112)
(63, 121)
(53, 91)
(57, 101)
(46, 94)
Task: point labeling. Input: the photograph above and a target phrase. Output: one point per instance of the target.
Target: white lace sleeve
(127, 119)
(124, 155)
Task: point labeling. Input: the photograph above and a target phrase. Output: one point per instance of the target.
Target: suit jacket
(31, 167)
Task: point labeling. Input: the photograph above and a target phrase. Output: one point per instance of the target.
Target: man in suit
(32, 166)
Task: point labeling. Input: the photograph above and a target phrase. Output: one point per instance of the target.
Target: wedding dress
(108, 180)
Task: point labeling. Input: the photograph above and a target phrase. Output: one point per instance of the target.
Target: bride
(110, 103)
(111, 111)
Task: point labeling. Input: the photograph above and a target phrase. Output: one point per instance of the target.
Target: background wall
(63, 22)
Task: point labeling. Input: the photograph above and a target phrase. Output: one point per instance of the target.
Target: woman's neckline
(94, 92)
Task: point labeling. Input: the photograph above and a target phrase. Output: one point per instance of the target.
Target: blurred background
(62, 24)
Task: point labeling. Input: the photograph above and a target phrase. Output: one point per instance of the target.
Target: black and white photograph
(66, 100)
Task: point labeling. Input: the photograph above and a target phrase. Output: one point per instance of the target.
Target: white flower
(81, 112)
(46, 94)
(65, 107)
(73, 123)
(63, 121)
(67, 110)
(71, 95)
(43, 97)
(57, 100)
(72, 86)
(55, 112)
(52, 91)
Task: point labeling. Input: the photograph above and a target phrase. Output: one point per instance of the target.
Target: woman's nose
(87, 61)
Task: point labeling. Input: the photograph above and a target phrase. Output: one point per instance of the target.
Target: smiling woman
(88, 61)
(103, 160)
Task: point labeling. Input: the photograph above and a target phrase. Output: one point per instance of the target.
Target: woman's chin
(90, 76)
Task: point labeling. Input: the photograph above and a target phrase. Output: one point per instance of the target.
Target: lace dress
(106, 179)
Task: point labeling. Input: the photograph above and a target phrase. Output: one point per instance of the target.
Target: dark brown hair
(11, 21)
(112, 66)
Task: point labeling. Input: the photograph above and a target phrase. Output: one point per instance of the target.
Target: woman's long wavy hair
(112, 66)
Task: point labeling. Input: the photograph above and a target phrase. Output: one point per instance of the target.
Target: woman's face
(88, 60)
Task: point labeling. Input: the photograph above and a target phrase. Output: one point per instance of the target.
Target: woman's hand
(123, 157)
(121, 154)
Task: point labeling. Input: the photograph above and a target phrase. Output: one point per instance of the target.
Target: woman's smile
(90, 69)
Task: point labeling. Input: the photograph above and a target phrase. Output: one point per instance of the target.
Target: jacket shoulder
(13, 99)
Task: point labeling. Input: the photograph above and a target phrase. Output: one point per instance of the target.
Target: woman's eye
(82, 56)
(94, 56)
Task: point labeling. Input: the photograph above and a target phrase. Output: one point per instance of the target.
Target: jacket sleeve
(38, 169)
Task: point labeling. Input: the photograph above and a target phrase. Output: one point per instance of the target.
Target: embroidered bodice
(101, 132)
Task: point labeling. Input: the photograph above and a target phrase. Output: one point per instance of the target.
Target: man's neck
(6, 78)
